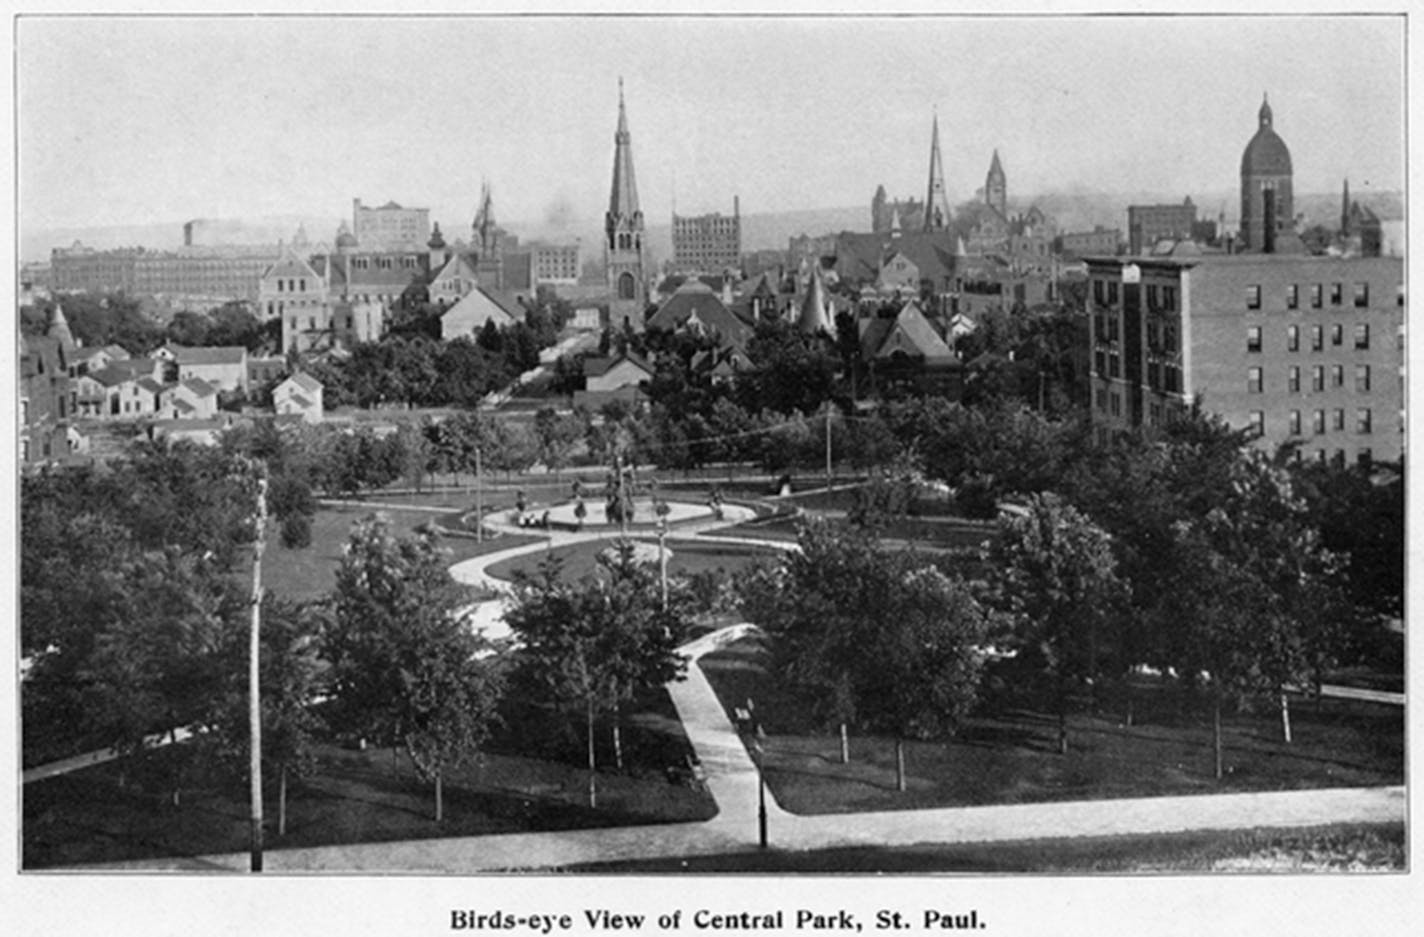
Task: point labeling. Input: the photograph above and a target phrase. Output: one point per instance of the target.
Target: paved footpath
(732, 781)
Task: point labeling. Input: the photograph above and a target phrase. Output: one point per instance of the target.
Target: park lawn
(1341, 848)
(310, 572)
(935, 534)
(1010, 756)
(687, 557)
(531, 777)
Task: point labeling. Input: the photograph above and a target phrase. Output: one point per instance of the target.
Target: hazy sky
(140, 120)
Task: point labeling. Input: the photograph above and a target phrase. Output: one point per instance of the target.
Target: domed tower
(1267, 206)
(345, 240)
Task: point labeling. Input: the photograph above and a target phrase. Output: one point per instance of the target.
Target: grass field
(687, 557)
(1311, 849)
(310, 572)
(1011, 756)
(531, 778)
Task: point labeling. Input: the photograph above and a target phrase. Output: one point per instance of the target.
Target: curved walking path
(732, 781)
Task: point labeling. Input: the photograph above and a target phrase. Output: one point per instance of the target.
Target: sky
(126, 121)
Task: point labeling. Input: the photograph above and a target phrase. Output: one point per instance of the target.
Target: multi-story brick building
(707, 243)
(199, 274)
(1303, 349)
(389, 227)
(1148, 224)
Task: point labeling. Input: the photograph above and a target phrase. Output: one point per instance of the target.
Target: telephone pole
(254, 683)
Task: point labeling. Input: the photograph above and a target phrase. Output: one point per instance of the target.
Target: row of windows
(1361, 337)
(382, 263)
(292, 285)
(311, 323)
(1364, 421)
(1359, 295)
(1254, 378)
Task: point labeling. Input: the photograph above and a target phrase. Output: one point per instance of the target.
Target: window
(1253, 338)
(1114, 365)
(1338, 420)
(1112, 292)
(1362, 420)
(1362, 378)
(1258, 422)
(1099, 296)
(1337, 376)
(1337, 293)
(1293, 379)
(1153, 300)
(1362, 335)
(1116, 401)
(1293, 338)
(1293, 296)
(281, 285)
(303, 282)
(1295, 422)
(1316, 292)
(1319, 422)
(1169, 297)
(1362, 295)
(1317, 378)
(1253, 296)
(1100, 397)
(1317, 338)
(1337, 334)
(1364, 459)
(1253, 380)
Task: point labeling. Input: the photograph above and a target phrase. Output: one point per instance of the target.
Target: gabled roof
(121, 372)
(216, 355)
(183, 406)
(290, 265)
(305, 381)
(149, 384)
(912, 333)
(456, 266)
(694, 305)
(597, 367)
(480, 306)
(199, 387)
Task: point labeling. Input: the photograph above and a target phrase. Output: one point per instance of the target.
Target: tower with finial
(623, 250)
(486, 237)
(1267, 205)
(996, 187)
(936, 201)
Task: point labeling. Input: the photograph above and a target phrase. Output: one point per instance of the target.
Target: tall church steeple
(996, 186)
(936, 202)
(623, 232)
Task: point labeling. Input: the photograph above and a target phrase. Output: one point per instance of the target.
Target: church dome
(346, 239)
(1266, 154)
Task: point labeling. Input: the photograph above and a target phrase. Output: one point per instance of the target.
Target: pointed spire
(995, 167)
(623, 200)
(814, 317)
(58, 328)
(936, 202)
(1265, 113)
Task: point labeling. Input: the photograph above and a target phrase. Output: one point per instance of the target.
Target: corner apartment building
(1305, 349)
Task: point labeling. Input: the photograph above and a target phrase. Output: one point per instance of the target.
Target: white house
(469, 315)
(299, 394)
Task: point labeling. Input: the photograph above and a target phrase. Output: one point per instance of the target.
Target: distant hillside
(35, 245)
(1075, 210)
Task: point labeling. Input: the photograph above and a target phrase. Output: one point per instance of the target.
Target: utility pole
(254, 684)
(828, 444)
(479, 500)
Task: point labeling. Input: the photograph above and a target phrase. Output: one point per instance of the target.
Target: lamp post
(254, 705)
(758, 755)
(662, 556)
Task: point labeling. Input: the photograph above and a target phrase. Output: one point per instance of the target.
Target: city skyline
(776, 111)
